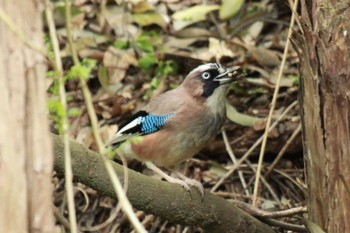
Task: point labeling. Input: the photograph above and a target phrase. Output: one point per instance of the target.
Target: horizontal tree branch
(168, 201)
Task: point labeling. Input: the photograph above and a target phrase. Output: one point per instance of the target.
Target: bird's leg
(191, 182)
(168, 178)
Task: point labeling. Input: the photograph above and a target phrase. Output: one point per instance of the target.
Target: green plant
(56, 110)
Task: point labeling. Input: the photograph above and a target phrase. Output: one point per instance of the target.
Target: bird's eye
(206, 75)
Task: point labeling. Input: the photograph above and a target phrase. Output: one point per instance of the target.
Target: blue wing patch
(152, 123)
(144, 123)
(141, 123)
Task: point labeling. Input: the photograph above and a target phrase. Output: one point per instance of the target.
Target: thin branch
(60, 218)
(273, 104)
(268, 186)
(285, 225)
(252, 148)
(64, 121)
(267, 214)
(168, 201)
(234, 160)
(117, 209)
(68, 8)
(283, 150)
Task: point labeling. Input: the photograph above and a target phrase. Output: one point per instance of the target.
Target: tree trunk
(324, 50)
(25, 147)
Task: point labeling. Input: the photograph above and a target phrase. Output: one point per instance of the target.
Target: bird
(177, 124)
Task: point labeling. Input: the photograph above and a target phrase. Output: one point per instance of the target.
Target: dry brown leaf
(117, 62)
(265, 57)
(219, 49)
(195, 32)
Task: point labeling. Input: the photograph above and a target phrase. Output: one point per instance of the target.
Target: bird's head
(210, 80)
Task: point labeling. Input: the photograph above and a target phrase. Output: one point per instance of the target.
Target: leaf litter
(143, 48)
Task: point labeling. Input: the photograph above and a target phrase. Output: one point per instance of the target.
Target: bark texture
(168, 201)
(324, 52)
(25, 146)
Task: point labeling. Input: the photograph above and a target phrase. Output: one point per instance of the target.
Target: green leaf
(144, 44)
(147, 61)
(146, 19)
(103, 77)
(240, 118)
(121, 44)
(155, 83)
(230, 8)
(165, 68)
(56, 111)
(195, 13)
(313, 227)
(73, 112)
(83, 70)
(295, 79)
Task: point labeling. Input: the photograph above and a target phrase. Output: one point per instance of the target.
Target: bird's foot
(192, 182)
(183, 183)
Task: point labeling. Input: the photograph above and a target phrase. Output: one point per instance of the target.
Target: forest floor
(137, 50)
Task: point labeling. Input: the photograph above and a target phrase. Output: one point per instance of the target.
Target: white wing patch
(132, 124)
(119, 136)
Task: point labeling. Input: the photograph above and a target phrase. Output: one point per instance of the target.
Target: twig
(68, 8)
(64, 121)
(86, 197)
(303, 189)
(273, 104)
(60, 218)
(267, 214)
(282, 151)
(117, 209)
(105, 223)
(268, 186)
(285, 225)
(251, 149)
(123, 200)
(234, 160)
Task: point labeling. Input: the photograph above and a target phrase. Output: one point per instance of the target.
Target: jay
(177, 124)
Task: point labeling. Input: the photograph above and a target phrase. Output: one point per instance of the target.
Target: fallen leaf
(146, 19)
(268, 205)
(265, 57)
(191, 15)
(240, 118)
(229, 8)
(117, 61)
(313, 227)
(117, 18)
(192, 32)
(142, 6)
(219, 49)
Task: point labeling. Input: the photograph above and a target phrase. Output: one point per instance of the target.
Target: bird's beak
(229, 75)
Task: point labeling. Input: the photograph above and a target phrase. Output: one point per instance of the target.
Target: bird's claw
(180, 182)
(197, 185)
(193, 183)
(187, 182)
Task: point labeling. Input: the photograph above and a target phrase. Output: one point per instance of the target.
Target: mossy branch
(168, 201)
